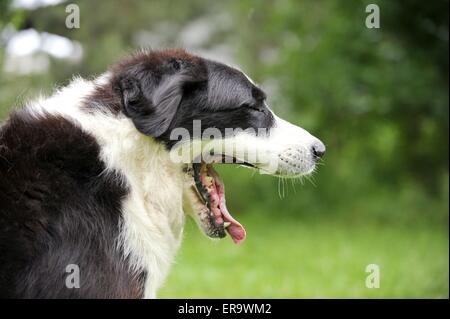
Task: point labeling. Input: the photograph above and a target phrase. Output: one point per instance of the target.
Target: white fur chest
(153, 218)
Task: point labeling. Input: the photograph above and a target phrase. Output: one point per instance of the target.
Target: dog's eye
(253, 107)
(176, 64)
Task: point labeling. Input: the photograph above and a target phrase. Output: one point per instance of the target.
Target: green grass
(289, 258)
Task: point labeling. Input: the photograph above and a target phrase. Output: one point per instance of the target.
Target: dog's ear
(152, 108)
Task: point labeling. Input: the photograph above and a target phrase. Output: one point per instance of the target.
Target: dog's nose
(318, 149)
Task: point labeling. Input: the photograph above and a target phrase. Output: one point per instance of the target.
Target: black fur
(57, 208)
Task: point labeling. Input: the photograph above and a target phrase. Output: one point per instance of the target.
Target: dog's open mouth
(207, 194)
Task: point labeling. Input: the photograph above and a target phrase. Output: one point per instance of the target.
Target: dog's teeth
(226, 224)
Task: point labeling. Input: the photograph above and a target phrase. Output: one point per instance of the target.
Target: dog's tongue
(235, 230)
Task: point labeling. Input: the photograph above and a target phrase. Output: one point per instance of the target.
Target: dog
(88, 176)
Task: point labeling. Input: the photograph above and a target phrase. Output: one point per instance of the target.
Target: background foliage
(378, 98)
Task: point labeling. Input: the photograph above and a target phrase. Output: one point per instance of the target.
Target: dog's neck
(153, 216)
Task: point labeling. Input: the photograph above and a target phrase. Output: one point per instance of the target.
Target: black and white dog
(89, 176)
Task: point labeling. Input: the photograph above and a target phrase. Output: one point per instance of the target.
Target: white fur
(292, 146)
(152, 212)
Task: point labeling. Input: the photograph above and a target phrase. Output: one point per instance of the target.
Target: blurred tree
(4, 9)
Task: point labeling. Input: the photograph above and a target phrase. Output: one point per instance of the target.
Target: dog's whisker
(293, 186)
(279, 191)
(302, 180)
(311, 180)
(287, 186)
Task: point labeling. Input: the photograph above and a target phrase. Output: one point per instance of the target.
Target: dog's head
(206, 112)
